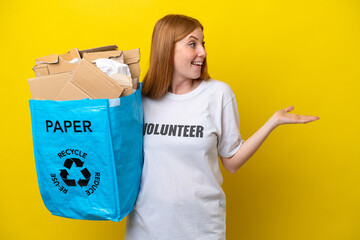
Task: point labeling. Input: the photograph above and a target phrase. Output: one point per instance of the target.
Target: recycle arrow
(87, 175)
(69, 161)
(78, 163)
(63, 175)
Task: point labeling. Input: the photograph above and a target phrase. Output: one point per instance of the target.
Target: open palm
(284, 117)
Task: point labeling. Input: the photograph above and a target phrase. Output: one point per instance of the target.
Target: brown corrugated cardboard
(54, 63)
(57, 79)
(48, 87)
(73, 53)
(125, 82)
(122, 79)
(132, 58)
(93, 82)
(87, 81)
(116, 55)
(98, 49)
(71, 92)
(53, 58)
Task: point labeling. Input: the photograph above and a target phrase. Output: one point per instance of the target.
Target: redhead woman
(190, 120)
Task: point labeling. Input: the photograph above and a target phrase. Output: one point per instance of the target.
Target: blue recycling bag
(88, 155)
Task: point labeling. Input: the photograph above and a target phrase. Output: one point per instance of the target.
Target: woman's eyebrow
(194, 37)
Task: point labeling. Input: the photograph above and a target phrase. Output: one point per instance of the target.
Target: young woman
(189, 120)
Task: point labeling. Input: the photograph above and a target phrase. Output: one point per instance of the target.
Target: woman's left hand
(283, 117)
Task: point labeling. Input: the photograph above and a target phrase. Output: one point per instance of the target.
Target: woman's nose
(202, 52)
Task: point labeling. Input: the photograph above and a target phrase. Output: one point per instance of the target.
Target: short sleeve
(229, 140)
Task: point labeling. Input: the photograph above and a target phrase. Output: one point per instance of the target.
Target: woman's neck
(184, 86)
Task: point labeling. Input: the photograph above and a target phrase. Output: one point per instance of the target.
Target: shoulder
(220, 89)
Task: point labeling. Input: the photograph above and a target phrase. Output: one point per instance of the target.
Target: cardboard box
(116, 55)
(110, 52)
(90, 80)
(86, 81)
(58, 79)
(54, 63)
(130, 57)
(48, 87)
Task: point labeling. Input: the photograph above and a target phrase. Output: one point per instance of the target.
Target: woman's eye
(193, 44)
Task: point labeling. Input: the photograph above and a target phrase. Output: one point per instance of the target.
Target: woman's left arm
(252, 144)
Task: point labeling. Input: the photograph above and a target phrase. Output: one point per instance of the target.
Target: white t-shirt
(180, 193)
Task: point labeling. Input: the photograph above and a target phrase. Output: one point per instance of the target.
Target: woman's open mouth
(197, 63)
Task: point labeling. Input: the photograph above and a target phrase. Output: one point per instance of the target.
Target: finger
(288, 109)
(309, 117)
(306, 119)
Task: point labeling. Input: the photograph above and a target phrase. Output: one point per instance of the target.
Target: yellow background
(303, 183)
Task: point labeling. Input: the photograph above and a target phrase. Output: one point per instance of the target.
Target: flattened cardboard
(125, 82)
(132, 58)
(93, 82)
(53, 64)
(73, 53)
(53, 58)
(98, 49)
(127, 91)
(57, 79)
(122, 79)
(41, 70)
(49, 69)
(48, 87)
(71, 92)
(116, 55)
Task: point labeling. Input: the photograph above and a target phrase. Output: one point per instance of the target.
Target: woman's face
(189, 55)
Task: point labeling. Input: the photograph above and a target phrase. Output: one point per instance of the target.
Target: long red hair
(167, 31)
